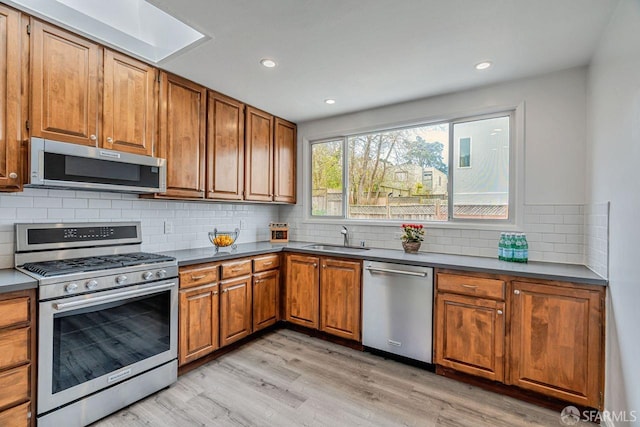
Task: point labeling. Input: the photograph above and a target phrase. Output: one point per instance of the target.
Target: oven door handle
(111, 298)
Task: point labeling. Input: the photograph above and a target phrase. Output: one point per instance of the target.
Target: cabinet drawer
(200, 275)
(14, 386)
(264, 263)
(469, 285)
(235, 269)
(19, 416)
(14, 311)
(14, 347)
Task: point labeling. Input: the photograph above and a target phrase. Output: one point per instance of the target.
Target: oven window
(95, 341)
(60, 167)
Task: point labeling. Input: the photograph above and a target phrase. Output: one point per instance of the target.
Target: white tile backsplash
(554, 233)
(191, 220)
(596, 237)
(576, 234)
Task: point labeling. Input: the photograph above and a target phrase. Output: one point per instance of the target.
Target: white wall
(554, 115)
(612, 165)
(191, 220)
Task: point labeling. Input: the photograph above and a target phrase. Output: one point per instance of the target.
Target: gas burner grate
(81, 265)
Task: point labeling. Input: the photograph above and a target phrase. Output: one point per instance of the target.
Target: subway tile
(99, 204)
(47, 202)
(568, 209)
(75, 203)
(61, 213)
(540, 209)
(10, 201)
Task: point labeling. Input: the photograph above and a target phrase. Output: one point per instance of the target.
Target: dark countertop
(539, 270)
(12, 280)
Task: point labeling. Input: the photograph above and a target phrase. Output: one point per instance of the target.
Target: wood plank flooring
(289, 379)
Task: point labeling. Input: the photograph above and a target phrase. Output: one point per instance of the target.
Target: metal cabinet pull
(93, 137)
(267, 263)
(499, 312)
(13, 175)
(516, 291)
(470, 286)
(315, 265)
(109, 140)
(198, 277)
(392, 271)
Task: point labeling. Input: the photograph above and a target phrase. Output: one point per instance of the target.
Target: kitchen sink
(335, 248)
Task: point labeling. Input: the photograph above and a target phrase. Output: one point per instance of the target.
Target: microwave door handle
(89, 302)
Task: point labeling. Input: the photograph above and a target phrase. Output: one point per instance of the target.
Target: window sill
(493, 226)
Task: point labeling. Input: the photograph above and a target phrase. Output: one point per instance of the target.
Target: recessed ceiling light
(329, 101)
(269, 63)
(483, 65)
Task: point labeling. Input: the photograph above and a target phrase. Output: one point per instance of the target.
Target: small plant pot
(411, 247)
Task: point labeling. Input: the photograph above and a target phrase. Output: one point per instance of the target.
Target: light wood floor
(289, 379)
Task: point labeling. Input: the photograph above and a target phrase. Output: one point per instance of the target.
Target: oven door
(93, 341)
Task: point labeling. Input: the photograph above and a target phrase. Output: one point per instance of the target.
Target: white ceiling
(368, 53)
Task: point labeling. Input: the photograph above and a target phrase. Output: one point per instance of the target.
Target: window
(406, 174)
(464, 152)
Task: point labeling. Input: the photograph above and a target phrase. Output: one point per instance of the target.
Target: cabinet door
(470, 335)
(182, 135)
(10, 102)
(225, 147)
(65, 98)
(130, 105)
(259, 156)
(340, 298)
(18, 416)
(265, 299)
(556, 342)
(302, 285)
(199, 322)
(235, 309)
(284, 170)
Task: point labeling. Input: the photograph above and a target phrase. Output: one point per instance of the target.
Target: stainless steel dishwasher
(397, 312)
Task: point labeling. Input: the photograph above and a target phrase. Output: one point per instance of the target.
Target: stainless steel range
(108, 318)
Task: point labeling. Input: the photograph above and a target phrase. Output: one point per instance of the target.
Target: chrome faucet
(345, 233)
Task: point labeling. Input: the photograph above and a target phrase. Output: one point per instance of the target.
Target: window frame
(516, 175)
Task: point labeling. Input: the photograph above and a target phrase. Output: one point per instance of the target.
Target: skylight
(135, 26)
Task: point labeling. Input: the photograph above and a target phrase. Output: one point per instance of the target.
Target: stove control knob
(71, 287)
(91, 284)
(121, 280)
(161, 274)
(147, 275)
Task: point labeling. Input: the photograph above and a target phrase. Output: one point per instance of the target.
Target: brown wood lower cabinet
(235, 309)
(199, 322)
(17, 356)
(340, 298)
(265, 299)
(556, 341)
(542, 336)
(470, 335)
(303, 293)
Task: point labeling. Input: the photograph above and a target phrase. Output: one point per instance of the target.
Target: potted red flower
(412, 237)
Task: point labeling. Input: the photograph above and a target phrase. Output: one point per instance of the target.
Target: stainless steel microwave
(64, 165)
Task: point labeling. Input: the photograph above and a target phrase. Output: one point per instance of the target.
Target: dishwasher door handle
(393, 271)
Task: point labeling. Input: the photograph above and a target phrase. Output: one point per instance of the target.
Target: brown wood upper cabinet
(130, 105)
(225, 147)
(258, 155)
(182, 135)
(10, 102)
(556, 341)
(284, 179)
(67, 99)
